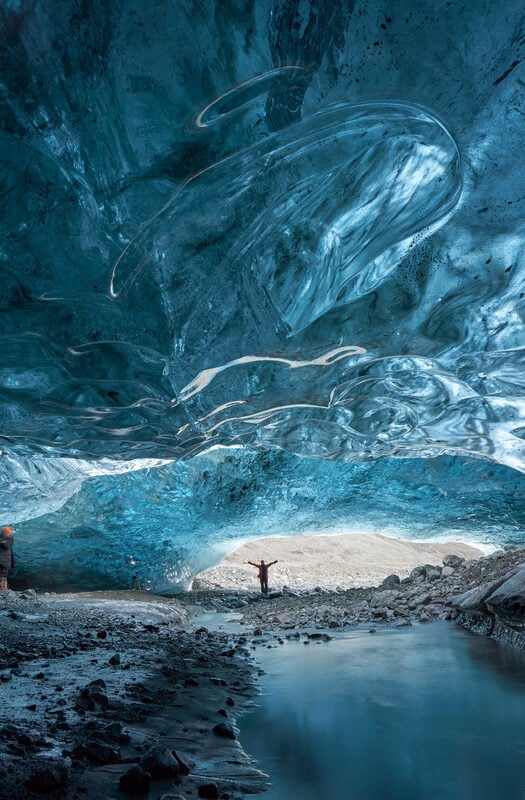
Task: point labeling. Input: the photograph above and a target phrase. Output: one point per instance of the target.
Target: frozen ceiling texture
(262, 271)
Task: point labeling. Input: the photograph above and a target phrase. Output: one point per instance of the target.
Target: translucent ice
(288, 228)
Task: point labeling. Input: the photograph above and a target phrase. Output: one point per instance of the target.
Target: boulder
(209, 790)
(172, 797)
(390, 599)
(97, 753)
(434, 610)
(433, 574)
(417, 572)
(223, 730)
(135, 781)
(52, 778)
(92, 697)
(508, 600)
(401, 622)
(390, 581)
(185, 766)
(447, 572)
(358, 608)
(453, 561)
(418, 600)
(160, 763)
(475, 598)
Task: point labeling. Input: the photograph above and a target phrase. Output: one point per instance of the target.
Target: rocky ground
(329, 561)
(456, 589)
(114, 699)
(111, 696)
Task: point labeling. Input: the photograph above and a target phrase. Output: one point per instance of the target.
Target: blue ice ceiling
(292, 228)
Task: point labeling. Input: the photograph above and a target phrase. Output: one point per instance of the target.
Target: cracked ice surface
(283, 227)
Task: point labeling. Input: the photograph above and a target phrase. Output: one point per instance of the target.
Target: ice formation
(235, 234)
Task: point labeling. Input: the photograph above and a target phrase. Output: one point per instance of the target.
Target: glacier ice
(294, 229)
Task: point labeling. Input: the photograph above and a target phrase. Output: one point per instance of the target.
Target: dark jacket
(6, 550)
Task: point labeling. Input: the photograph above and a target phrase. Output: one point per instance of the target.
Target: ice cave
(262, 272)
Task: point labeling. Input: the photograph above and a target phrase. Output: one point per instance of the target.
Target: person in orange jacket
(263, 573)
(7, 561)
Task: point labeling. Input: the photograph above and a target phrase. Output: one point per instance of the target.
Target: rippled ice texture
(279, 226)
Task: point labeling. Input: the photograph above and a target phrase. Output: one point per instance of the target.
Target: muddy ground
(108, 696)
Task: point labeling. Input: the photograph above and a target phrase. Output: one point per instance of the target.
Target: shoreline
(106, 696)
(97, 686)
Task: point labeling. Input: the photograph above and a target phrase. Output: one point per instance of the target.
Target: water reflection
(432, 713)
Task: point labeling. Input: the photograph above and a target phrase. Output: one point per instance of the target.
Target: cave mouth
(261, 271)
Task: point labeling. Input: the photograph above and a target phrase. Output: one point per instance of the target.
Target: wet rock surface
(130, 713)
(485, 594)
(149, 708)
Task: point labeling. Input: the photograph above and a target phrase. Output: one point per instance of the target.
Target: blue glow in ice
(291, 229)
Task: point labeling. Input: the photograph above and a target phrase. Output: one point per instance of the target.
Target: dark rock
(114, 732)
(114, 661)
(102, 634)
(453, 561)
(390, 581)
(224, 730)
(160, 763)
(508, 600)
(99, 683)
(401, 623)
(475, 598)
(97, 753)
(51, 778)
(92, 698)
(417, 572)
(184, 767)
(135, 781)
(477, 622)
(209, 790)
(172, 797)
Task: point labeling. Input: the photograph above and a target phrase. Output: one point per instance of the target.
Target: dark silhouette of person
(7, 560)
(263, 573)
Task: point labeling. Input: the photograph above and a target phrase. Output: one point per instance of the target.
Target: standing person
(263, 573)
(7, 561)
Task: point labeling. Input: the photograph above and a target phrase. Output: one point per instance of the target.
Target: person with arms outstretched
(263, 573)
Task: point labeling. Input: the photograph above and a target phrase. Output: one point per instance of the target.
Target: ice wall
(278, 226)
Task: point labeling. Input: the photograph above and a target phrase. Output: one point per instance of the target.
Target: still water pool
(430, 712)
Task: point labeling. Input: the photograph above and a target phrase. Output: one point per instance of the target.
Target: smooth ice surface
(430, 712)
(166, 524)
(281, 227)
